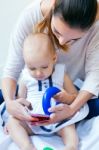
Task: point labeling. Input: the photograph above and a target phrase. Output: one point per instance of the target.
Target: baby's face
(41, 66)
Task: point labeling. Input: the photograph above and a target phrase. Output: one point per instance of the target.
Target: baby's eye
(32, 69)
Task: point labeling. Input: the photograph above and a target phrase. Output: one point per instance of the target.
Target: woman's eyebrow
(76, 38)
(73, 39)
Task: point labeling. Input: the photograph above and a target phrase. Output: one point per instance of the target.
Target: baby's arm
(69, 87)
(70, 90)
(69, 93)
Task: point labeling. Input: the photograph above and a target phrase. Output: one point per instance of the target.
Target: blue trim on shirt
(45, 129)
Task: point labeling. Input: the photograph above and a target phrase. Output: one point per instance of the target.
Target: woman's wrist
(80, 100)
(70, 98)
(8, 103)
(73, 109)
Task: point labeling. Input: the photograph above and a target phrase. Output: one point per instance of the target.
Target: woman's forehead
(63, 28)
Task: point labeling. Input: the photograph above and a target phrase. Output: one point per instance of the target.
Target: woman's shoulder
(38, 7)
(92, 35)
(94, 30)
(30, 16)
(92, 38)
(32, 12)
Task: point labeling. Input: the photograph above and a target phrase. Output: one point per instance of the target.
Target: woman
(73, 23)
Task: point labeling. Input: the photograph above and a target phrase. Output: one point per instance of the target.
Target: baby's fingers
(57, 96)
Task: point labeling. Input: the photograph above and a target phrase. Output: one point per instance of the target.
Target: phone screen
(40, 118)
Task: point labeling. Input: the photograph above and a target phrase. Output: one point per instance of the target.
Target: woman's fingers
(56, 108)
(54, 118)
(20, 113)
(24, 102)
(60, 112)
(57, 117)
(25, 115)
(18, 109)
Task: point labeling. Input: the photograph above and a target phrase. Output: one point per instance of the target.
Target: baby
(41, 71)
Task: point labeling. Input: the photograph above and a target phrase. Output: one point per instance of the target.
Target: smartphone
(39, 118)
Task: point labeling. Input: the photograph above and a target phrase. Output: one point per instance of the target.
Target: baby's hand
(65, 97)
(62, 96)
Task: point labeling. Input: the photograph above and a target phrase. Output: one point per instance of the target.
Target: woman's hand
(59, 113)
(17, 108)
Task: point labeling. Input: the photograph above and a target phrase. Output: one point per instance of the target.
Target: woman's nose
(61, 41)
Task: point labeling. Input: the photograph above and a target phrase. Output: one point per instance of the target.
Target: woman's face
(63, 32)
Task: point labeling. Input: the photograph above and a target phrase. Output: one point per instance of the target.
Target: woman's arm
(15, 61)
(15, 107)
(22, 92)
(63, 111)
(80, 100)
(8, 89)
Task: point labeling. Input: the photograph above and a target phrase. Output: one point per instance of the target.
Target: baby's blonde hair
(37, 42)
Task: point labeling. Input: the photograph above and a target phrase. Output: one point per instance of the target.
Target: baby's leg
(69, 137)
(19, 132)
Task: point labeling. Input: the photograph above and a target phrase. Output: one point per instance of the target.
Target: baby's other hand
(62, 96)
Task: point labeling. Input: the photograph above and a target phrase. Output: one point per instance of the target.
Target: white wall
(9, 13)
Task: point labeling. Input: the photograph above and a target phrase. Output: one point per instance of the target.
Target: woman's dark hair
(77, 13)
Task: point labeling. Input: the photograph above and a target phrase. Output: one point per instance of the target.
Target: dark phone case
(41, 118)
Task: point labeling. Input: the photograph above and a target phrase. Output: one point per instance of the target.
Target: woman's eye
(45, 67)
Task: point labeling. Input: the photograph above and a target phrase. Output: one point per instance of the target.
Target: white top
(35, 90)
(82, 59)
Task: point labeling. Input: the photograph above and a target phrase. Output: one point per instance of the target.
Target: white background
(9, 13)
